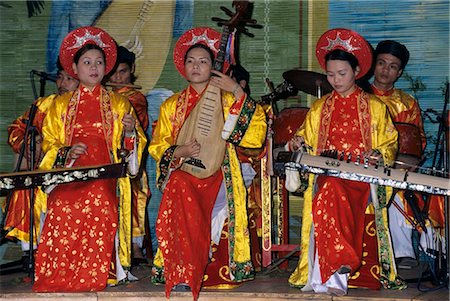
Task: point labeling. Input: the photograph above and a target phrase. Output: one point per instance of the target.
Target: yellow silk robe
(18, 212)
(403, 108)
(254, 137)
(57, 135)
(383, 137)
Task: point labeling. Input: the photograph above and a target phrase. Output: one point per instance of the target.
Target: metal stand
(29, 142)
(441, 162)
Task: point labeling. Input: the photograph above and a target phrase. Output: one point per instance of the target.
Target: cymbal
(308, 81)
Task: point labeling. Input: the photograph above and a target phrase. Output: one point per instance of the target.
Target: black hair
(85, 48)
(203, 46)
(240, 73)
(338, 54)
(396, 49)
(127, 57)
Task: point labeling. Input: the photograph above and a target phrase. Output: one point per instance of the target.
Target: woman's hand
(296, 143)
(374, 156)
(129, 123)
(226, 83)
(77, 150)
(188, 150)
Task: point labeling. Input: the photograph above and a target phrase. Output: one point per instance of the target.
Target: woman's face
(341, 76)
(198, 66)
(90, 68)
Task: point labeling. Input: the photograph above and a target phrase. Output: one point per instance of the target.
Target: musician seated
(391, 58)
(334, 208)
(192, 217)
(416, 223)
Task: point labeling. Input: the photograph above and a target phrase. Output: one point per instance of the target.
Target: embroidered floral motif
(245, 116)
(240, 270)
(164, 166)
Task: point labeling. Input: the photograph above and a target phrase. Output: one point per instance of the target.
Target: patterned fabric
(76, 245)
(183, 228)
(376, 131)
(75, 249)
(245, 114)
(339, 205)
(173, 113)
(17, 221)
(139, 184)
(368, 275)
(139, 103)
(403, 108)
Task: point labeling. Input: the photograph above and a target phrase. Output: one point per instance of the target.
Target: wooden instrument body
(205, 123)
(206, 120)
(29, 179)
(396, 178)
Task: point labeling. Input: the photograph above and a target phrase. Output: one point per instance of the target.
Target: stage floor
(273, 286)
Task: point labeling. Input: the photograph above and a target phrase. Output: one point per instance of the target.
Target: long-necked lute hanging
(206, 120)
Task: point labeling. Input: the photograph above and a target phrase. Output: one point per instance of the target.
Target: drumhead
(287, 123)
(409, 140)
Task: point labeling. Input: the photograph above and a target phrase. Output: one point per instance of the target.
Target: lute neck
(220, 58)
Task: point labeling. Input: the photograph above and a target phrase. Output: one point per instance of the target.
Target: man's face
(387, 69)
(65, 82)
(122, 74)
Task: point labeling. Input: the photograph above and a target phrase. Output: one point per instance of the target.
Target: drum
(409, 140)
(287, 123)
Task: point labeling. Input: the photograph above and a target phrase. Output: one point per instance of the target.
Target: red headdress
(346, 40)
(87, 35)
(203, 35)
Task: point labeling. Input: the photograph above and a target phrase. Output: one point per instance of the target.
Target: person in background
(86, 239)
(17, 224)
(191, 217)
(391, 58)
(122, 81)
(357, 124)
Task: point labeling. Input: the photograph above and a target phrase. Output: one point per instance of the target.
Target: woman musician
(354, 122)
(78, 249)
(193, 210)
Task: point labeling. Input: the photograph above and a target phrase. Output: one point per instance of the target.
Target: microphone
(44, 75)
(282, 91)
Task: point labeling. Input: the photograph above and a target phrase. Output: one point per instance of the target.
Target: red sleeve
(139, 102)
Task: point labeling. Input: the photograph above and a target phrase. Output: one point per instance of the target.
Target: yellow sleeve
(53, 133)
(162, 137)
(384, 134)
(256, 133)
(309, 130)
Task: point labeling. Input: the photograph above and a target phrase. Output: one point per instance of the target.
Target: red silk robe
(184, 220)
(76, 245)
(18, 216)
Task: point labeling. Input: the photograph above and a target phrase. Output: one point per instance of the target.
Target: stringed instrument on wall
(206, 120)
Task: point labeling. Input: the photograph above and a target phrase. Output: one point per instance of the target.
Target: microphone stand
(29, 140)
